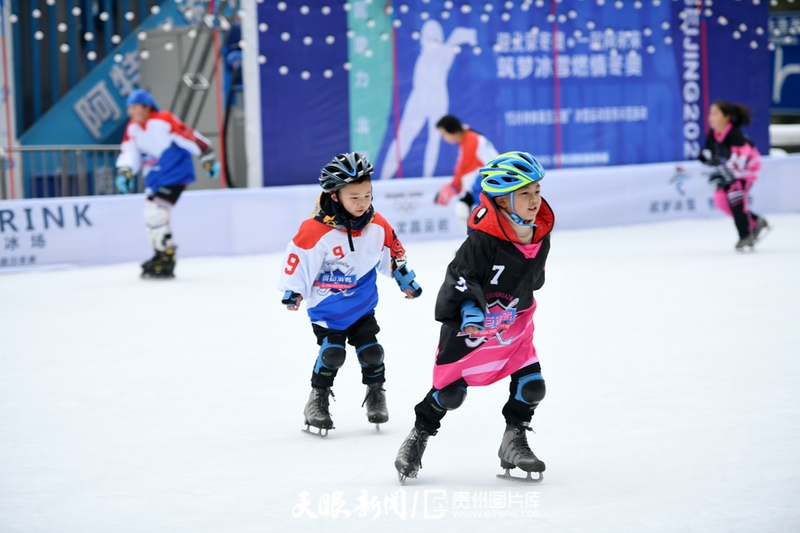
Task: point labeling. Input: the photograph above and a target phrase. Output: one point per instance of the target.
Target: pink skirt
(499, 356)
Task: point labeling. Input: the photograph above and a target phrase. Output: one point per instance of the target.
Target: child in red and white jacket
(161, 146)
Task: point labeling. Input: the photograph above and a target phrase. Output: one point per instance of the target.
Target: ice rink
(672, 366)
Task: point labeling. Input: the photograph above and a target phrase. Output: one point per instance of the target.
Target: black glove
(721, 177)
(290, 298)
(708, 158)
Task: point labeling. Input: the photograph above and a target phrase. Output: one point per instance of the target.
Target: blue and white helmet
(343, 169)
(508, 172)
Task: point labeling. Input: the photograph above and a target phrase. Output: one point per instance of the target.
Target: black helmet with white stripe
(343, 169)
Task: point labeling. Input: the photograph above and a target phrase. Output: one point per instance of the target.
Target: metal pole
(218, 85)
(7, 94)
(64, 174)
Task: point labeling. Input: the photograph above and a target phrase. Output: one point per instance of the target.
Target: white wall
(784, 134)
(97, 230)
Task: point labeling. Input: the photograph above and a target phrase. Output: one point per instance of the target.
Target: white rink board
(81, 231)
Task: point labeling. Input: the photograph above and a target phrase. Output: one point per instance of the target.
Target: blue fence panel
(50, 61)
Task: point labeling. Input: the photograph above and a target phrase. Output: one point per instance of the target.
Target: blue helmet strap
(516, 218)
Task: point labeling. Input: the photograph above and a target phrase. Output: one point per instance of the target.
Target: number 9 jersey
(334, 266)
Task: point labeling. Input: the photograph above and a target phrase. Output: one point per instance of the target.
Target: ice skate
(746, 244)
(515, 453)
(375, 400)
(316, 412)
(409, 457)
(761, 229)
(162, 265)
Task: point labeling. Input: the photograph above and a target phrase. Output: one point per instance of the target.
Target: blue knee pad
(331, 354)
(450, 397)
(370, 354)
(530, 389)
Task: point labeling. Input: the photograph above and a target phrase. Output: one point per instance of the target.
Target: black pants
(362, 333)
(168, 193)
(743, 219)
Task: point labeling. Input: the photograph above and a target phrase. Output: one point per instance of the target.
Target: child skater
(332, 264)
(738, 162)
(486, 307)
(161, 146)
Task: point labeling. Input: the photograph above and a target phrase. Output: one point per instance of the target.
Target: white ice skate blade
(529, 479)
(403, 478)
(321, 433)
(157, 276)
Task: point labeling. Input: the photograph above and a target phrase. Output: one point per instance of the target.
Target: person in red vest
(474, 151)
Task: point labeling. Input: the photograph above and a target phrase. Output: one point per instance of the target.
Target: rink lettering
(25, 232)
(43, 218)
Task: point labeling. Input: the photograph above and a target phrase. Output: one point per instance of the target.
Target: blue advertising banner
(576, 84)
(737, 60)
(95, 108)
(304, 88)
(784, 55)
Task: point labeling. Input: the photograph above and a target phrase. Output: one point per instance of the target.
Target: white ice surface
(672, 366)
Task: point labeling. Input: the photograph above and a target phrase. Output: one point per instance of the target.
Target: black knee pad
(531, 389)
(332, 352)
(451, 397)
(370, 354)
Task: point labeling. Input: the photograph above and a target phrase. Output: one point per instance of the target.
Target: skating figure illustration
(429, 99)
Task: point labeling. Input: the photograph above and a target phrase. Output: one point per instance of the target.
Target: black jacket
(493, 270)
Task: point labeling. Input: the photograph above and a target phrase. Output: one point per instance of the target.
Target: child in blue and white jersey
(159, 145)
(332, 264)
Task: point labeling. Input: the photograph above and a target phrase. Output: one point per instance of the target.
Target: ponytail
(741, 115)
(738, 113)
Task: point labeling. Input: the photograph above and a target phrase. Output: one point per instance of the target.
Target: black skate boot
(375, 400)
(409, 457)
(746, 243)
(515, 453)
(162, 265)
(317, 413)
(761, 229)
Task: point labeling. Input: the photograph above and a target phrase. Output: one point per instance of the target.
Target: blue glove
(124, 181)
(405, 278)
(471, 316)
(210, 164)
(290, 298)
